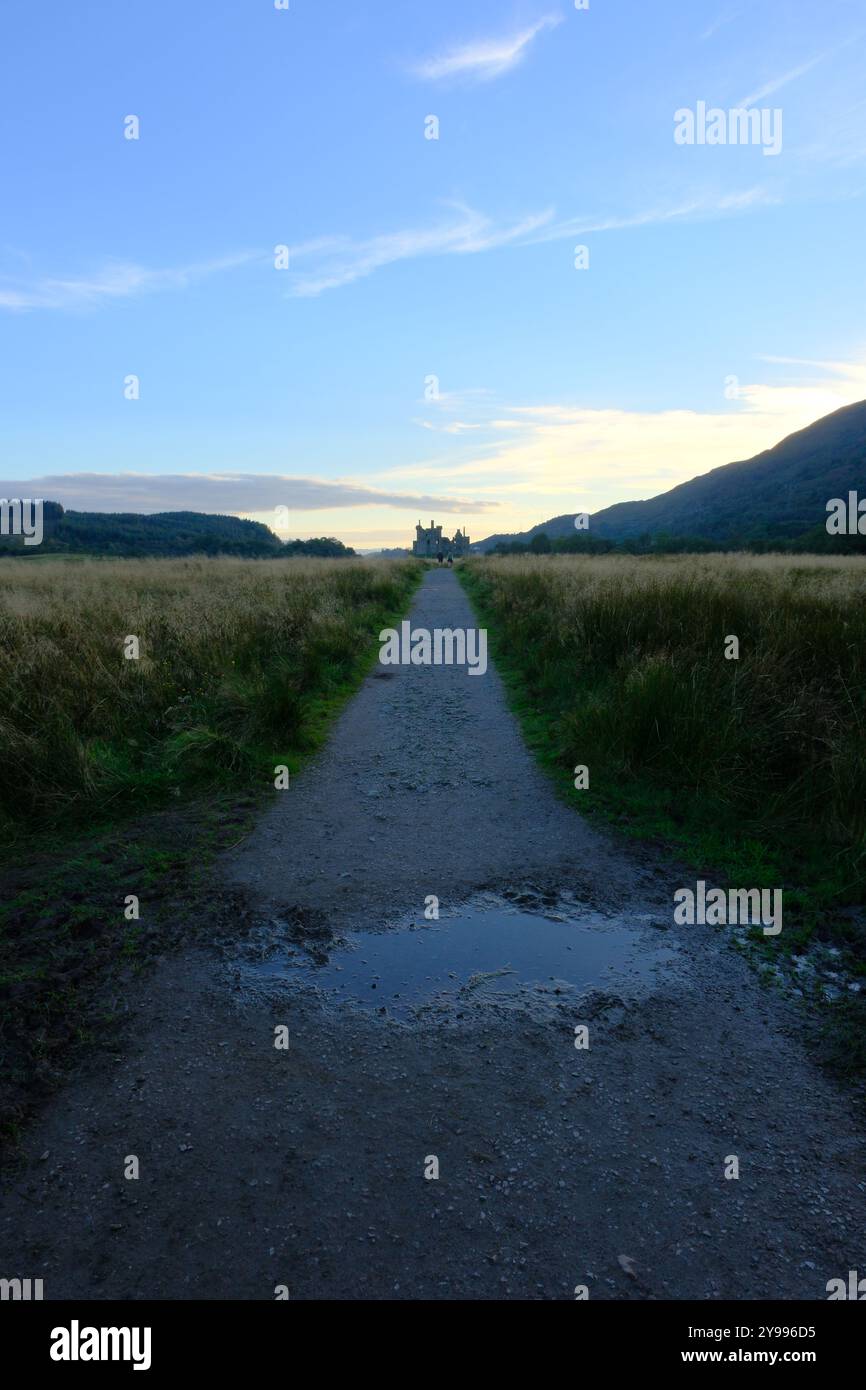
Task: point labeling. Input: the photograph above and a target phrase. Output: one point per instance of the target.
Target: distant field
(756, 766)
(240, 663)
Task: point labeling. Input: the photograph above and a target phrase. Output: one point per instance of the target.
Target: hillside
(162, 534)
(780, 494)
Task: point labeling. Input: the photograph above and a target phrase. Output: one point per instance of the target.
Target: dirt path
(305, 1167)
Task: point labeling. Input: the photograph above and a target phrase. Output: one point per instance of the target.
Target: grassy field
(129, 777)
(755, 767)
(240, 664)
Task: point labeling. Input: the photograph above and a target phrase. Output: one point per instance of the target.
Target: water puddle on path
(486, 954)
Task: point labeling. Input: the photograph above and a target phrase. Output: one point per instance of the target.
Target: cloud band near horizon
(216, 493)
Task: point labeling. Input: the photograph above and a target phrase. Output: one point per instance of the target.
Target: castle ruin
(430, 542)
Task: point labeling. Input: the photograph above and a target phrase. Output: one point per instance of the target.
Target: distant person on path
(450, 561)
(439, 557)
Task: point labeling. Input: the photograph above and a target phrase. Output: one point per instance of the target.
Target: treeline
(816, 541)
(163, 534)
(325, 546)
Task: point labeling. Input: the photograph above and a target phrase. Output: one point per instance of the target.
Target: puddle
(484, 954)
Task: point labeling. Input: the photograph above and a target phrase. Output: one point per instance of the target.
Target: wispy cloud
(777, 83)
(538, 460)
(116, 280)
(341, 260)
(460, 400)
(719, 23)
(233, 493)
(329, 262)
(700, 206)
(484, 59)
(450, 427)
(544, 460)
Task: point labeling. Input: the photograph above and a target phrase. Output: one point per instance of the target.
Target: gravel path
(425, 787)
(558, 1167)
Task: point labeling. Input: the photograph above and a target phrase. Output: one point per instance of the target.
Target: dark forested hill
(162, 533)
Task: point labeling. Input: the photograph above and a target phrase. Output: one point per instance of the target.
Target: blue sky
(409, 258)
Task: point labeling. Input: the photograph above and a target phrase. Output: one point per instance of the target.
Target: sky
(336, 282)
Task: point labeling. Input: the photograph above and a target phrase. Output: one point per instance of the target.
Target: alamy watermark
(855, 1288)
(20, 1290)
(742, 125)
(846, 518)
(748, 907)
(21, 516)
(77, 1343)
(444, 646)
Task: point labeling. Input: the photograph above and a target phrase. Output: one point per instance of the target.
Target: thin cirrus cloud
(341, 261)
(116, 280)
(777, 83)
(713, 205)
(218, 493)
(719, 23)
(328, 263)
(484, 59)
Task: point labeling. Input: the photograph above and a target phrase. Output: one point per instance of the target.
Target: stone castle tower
(429, 542)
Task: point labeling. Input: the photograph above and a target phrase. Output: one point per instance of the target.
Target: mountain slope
(782, 492)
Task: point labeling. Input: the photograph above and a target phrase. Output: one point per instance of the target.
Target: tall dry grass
(622, 659)
(239, 659)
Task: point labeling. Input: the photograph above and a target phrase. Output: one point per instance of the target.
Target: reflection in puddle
(483, 954)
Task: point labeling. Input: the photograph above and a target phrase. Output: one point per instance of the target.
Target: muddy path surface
(412, 1039)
